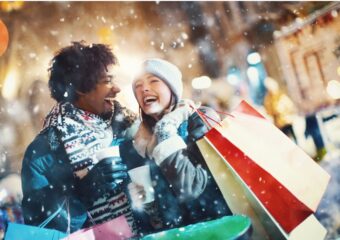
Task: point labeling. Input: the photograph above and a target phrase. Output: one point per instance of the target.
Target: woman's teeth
(148, 100)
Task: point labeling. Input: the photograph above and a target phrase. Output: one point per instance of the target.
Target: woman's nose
(145, 87)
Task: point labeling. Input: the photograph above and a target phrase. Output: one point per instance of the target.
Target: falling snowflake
(54, 32)
(3, 157)
(32, 55)
(184, 35)
(36, 109)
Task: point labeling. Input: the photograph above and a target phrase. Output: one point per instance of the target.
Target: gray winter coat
(185, 189)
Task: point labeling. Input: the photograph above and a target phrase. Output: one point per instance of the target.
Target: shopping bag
(226, 228)
(17, 231)
(231, 186)
(241, 200)
(115, 229)
(282, 183)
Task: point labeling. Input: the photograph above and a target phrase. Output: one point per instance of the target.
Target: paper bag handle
(49, 219)
(205, 117)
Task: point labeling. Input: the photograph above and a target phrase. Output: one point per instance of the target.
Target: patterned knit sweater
(61, 155)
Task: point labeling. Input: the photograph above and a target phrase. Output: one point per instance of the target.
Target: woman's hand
(167, 126)
(137, 195)
(184, 109)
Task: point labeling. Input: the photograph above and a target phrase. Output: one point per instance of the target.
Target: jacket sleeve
(42, 185)
(180, 162)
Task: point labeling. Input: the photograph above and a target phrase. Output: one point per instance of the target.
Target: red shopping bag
(115, 229)
(284, 180)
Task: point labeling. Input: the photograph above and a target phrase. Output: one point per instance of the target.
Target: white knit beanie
(166, 71)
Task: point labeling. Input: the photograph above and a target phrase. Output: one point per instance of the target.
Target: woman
(185, 191)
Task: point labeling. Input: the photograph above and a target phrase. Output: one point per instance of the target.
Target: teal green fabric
(225, 228)
(47, 179)
(25, 232)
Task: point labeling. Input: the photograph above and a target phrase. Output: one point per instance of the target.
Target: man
(62, 179)
(278, 105)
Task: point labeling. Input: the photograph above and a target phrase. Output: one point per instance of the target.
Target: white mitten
(167, 126)
(184, 109)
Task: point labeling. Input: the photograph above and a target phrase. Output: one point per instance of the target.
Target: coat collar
(144, 141)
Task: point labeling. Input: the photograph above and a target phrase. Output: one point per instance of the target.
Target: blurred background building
(226, 51)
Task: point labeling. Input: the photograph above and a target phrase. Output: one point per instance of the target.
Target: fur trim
(144, 141)
(122, 120)
(167, 147)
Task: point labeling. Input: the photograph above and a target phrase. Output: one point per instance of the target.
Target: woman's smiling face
(152, 94)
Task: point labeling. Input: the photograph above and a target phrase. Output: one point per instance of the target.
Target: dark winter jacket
(48, 180)
(185, 190)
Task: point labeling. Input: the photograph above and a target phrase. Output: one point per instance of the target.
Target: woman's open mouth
(148, 100)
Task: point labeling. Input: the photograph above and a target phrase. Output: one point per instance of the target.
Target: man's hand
(105, 176)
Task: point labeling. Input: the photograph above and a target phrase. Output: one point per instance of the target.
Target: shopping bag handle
(225, 113)
(205, 117)
(68, 217)
(91, 220)
(49, 219)
(90, 217)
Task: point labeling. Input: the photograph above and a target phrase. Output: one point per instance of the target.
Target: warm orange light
(9, 6)
(3, 37)
(105, 35)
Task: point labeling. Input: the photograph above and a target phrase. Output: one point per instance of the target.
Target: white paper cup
(141, 175)
(108, 152)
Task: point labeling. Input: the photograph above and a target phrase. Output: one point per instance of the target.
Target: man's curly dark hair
(78, 67)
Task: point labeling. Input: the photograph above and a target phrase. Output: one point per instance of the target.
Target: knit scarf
(82, 134)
